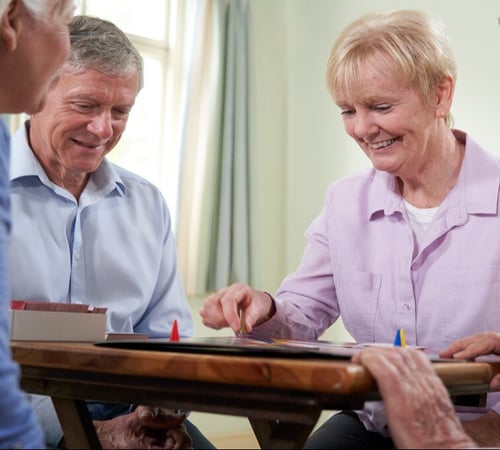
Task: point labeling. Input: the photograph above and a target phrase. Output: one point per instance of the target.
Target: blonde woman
(412, 242)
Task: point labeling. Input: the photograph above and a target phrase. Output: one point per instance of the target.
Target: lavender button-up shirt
(362, 263)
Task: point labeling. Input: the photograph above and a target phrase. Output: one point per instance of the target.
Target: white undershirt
(420, 219)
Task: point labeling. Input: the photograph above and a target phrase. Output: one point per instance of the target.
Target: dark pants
(106, 411)
(344, 430)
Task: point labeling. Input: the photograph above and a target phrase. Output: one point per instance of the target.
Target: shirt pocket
(471, 302)
(358, 296)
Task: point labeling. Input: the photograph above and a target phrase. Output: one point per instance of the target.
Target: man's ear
(9, 25)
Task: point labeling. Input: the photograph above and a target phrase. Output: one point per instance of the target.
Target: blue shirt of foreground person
(18, 424)
(33, 44)
(86, 230)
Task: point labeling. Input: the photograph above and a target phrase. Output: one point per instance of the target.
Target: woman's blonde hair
(408, 41)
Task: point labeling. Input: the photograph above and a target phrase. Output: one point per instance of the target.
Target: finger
(234, 302)
(211, 312)
(453, 348)
(179, 439)
(158, 418)
(389, 366)
(169, 442)
(379, 363)
(473, 346)
(495, 383)
(225, 308)
(161, 422)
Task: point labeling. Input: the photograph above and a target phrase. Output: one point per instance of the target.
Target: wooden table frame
(282, 398)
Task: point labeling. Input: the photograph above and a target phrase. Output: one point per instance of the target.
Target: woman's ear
(9, 25)
(444, 96)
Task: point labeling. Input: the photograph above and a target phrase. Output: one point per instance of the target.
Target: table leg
(281, 434)
(79, 431)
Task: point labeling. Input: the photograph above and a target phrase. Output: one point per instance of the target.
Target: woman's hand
(476, 345)
(237, 306)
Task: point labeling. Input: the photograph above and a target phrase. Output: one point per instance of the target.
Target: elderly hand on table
(146, 427)
(419, 411)
(485, 430)
(476, 345)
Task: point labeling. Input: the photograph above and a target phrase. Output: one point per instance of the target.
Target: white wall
(268, 142)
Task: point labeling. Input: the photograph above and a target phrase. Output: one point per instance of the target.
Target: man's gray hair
(100, 45)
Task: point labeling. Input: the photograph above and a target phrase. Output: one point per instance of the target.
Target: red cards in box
(27, 305)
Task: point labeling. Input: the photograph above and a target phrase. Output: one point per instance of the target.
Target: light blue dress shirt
(19, 427)
(114, 248)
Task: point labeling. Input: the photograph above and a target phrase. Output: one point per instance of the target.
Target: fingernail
(146, 412)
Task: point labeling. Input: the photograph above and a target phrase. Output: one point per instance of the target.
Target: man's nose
(101, 125)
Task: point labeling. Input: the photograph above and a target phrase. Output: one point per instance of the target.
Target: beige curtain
(198, 142)
(213, 214)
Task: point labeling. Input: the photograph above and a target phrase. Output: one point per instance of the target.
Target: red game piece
(174, 334)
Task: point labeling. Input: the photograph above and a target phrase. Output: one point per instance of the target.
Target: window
(144, 147)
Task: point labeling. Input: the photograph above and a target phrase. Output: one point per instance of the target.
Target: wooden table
(282, 397)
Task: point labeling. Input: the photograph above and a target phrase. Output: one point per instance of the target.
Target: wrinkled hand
(419, 411)
(476, 345)
(222, 309)
(145, 428)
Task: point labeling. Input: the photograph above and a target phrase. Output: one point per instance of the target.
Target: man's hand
(419, 411)
(146, 428)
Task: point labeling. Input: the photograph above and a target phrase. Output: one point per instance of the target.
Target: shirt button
(77, 256)
(407, 306)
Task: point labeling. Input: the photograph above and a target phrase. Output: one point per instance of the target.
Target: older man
(88, 231)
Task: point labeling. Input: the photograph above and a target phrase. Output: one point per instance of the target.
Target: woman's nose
(364, 125)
